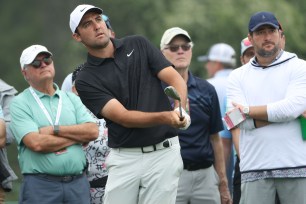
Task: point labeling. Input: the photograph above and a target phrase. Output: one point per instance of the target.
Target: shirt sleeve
(156, 59)
(294, 102)
(234, 92)
(215, 119)
(22, 122)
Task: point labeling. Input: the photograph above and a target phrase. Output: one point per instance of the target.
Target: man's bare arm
(220, 168)
(235, 135)
(81, 133)
(227, 150)
(46, 143)
(116, 112)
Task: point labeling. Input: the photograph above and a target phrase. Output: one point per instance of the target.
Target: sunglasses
(107, 21)
(175, 48)
(37, 63)
(105, 17)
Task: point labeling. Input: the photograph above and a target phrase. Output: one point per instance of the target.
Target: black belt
(98, 183)
(151, 148)
(197, 166)
(66, 179)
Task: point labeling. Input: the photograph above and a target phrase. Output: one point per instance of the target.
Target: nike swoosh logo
(129, 54)
(83, 9)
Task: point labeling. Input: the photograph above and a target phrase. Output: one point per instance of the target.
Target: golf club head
(171, 92)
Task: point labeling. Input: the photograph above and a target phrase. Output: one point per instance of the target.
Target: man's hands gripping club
(186, 118)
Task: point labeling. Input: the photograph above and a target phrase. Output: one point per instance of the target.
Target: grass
(12, 197)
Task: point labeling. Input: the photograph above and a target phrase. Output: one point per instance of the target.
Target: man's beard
(264, 53)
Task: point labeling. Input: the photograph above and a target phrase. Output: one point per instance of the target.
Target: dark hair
(76, 71)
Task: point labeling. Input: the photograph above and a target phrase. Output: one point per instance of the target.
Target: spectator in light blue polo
(219, 63)
(50, 127)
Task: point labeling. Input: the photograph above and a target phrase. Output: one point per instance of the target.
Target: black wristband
(56, 129)
(254, 123)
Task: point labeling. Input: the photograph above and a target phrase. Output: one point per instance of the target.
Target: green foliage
(208, 22)
(27, 22)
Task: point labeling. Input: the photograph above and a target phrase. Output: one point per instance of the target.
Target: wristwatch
(56, 129)
(246, 111)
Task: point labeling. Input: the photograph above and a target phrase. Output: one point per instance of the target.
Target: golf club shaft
(181, 114)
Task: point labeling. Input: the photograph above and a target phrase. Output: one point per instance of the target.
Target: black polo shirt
(131, 78)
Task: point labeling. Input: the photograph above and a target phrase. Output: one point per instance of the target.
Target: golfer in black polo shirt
(121, 82)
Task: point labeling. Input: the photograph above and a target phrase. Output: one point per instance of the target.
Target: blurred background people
(7, 176)
(3, 172)
(247, 53)
(219, 62)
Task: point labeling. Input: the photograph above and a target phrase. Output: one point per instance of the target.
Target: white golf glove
(185, 115)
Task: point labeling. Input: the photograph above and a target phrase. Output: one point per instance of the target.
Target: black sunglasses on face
(175, 48)
(37, 63)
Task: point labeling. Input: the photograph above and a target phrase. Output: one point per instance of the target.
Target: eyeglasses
(37, 63)
(175, 48)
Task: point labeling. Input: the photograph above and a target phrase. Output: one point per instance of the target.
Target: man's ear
(76, 37)
(250, 37)
(24, 73)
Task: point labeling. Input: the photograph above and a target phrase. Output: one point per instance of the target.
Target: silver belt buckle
(152, 149)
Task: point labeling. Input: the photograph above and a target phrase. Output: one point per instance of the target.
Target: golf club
(171, 92)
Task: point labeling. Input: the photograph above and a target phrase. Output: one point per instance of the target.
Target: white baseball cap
(29, 54)
(78, 13)
(245, 44)
(220, 52)
(170, 34)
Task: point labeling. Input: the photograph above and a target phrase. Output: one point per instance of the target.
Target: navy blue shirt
(131, 78)
(204, 111)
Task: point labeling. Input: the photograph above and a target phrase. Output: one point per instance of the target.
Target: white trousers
(143, 178)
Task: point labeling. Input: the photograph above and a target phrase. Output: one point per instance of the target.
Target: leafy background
(27, 22)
